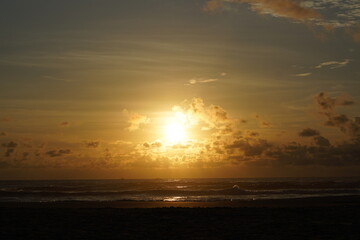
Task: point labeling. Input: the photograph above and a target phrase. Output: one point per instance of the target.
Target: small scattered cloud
(309, 132)
(344, 123)
(156, 144)
(303, 74)
(64, 124)
(334, 64)
(262, 122)
(9, 152)
(58, 153)
(122, 142)
(10, 144)
(92, 144)
(321, 141)
(135, 120)
(327, 103)
(200, 81)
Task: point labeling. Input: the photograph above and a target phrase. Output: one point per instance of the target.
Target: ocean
(188, 190)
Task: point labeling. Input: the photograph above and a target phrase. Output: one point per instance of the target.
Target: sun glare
(175, 132)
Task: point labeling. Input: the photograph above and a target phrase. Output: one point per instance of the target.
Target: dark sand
(316, 218)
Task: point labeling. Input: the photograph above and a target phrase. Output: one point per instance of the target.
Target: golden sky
(158, 88)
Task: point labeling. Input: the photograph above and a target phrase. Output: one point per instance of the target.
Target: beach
(312, 218)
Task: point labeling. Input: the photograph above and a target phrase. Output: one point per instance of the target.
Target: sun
(175, 132)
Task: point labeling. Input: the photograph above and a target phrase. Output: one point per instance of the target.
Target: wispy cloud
(334, 64)
(309, 132)
(326, 14)
(303, 74)
(200, 81)
(277, 8)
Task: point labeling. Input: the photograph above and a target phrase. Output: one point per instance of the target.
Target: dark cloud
(345, 124)
(346, 154)
(9, 152)
(10, 144)
(262, 122)
(327, 103)
(253, 134)
(308, 132)
(321, 141)
(64, 124)
(58, 153)
(249, 148)
(152, 145)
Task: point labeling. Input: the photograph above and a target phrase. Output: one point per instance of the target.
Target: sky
(171, 89)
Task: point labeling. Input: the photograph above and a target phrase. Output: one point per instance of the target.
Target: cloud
(327, 103)
(262, 122)
(135, 120)
(58, 153)
(308, 132)
(10, 148)
(64, 124)
(227, 142)
(92, 144)
(200, 81)
(156, 144)
(277, 8)
(303, 74)
(334, 64)
(9, 152)
(345, 124)
(10, 144)
(249, 148)
(322, 15)
(321, 141)
(346, 154)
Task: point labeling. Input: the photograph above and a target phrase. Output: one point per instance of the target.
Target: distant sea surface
(188, 190)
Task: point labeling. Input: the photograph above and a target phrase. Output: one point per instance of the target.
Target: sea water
(191, 190)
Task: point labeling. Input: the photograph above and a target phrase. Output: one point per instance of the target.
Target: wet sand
(315, 218)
